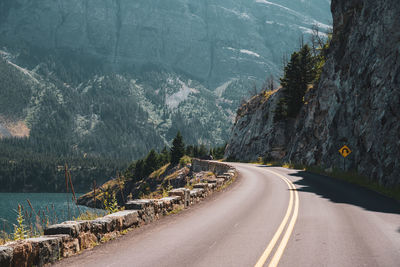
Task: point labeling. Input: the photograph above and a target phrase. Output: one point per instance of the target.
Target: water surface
(47, 208)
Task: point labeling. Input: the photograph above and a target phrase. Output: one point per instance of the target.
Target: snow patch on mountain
(235, 12)
(305, 19)
(248, 52)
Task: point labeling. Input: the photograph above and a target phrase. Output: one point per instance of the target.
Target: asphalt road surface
(270, 216)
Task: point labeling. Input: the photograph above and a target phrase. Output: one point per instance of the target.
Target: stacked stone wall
(71, 237)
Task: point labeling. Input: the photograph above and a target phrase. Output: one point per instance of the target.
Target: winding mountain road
(269, 216)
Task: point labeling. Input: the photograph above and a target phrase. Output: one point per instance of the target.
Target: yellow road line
(279, 252)
(278, 233)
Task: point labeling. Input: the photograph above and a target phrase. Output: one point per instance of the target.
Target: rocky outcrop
(71, 237)
(357, 100)
(255, 134)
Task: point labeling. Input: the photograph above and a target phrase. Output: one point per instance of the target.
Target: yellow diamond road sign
(345, 151)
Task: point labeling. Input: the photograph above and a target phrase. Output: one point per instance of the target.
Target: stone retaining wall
(69, 238)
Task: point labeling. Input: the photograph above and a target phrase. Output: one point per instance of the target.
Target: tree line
(142, 168)
(26, 169)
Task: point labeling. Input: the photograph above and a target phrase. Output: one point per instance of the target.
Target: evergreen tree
(203, 153)
(178, 149)
(139, 170)
(190, 151)
(151, 163)
(164, 156)
(299, 73)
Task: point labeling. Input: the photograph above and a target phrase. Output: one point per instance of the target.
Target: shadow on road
(343, 192)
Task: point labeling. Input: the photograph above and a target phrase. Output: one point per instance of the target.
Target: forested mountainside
(354, 103)
(111, 115)
(110, 80)
(117, 78)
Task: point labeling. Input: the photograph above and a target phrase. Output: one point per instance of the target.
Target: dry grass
(157, 173)
(268, 94)
(89, 215)
(114, 185)
(172, 176)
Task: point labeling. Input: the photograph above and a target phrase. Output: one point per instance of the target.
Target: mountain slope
(212, 41)
(116, 78)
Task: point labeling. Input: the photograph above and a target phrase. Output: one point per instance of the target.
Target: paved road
(269, 216)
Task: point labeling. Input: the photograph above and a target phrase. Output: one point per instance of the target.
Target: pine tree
(139, 170)
(164, 156)
(178, 149)
(151, 163)
(299, 73)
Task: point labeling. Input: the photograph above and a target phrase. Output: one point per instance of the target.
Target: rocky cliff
(356, 102)
(255, 134)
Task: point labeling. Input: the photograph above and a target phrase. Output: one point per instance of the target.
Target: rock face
(255, 134)
(357, 101)
(212, 40)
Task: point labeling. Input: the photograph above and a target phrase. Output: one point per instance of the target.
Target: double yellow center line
(293, 206)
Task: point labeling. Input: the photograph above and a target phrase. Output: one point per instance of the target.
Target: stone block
(103, 225)
(201, 185)
(87, 240)
(22, 253)
(184, 193)
(83, 225)
(138, 204)
(197, 192)
(220, 182)
(46, 249)
(226, 177)
(168, 203)
(70, 247)
(71, 228)
(124, 219)
(172, 199)
(6, 256)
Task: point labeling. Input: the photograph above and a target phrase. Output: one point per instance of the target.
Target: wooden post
(94, 193)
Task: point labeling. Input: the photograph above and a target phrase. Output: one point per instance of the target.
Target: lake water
(48, 208)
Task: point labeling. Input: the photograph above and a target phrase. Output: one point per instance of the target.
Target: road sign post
(344, 151)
